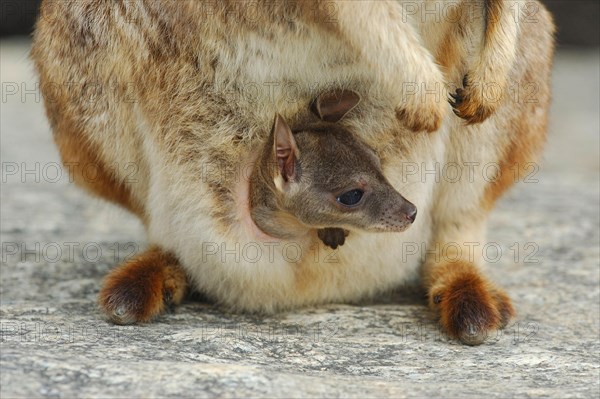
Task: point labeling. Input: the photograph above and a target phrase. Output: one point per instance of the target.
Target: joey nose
(410, 213)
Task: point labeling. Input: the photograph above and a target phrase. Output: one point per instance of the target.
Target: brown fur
(469, 306)
(517, 162)
(142, 288)
(493, 10)
(529, 134)
(87, 170)
(448, 54)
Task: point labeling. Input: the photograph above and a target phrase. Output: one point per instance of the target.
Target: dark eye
(350, 198)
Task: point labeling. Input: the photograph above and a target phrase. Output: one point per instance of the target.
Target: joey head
(320, 176)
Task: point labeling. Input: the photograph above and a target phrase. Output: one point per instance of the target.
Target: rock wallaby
(266, 134)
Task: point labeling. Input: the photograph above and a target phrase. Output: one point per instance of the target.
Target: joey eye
(351, 197)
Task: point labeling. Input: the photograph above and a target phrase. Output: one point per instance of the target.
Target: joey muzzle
(396, 213)
(410, 212)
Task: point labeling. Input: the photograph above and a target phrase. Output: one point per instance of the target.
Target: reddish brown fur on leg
(469, 306)
(143, 287)
(504, 306)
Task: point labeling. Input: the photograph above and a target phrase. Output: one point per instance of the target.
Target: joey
(320, 176)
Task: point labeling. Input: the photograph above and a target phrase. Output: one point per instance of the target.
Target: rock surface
(58, 243)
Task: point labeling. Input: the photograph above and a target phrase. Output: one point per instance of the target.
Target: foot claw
(471, 104)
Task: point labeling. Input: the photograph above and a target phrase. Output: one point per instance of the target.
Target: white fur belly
(257, 276)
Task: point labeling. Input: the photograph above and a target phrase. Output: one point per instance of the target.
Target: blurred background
(577, 20)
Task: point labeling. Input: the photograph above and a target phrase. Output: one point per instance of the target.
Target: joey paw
(333, 237)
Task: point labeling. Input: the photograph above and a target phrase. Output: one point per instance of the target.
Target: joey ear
(333, 105)
(285, 150)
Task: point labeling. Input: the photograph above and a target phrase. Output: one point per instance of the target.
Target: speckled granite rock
(55, 343)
